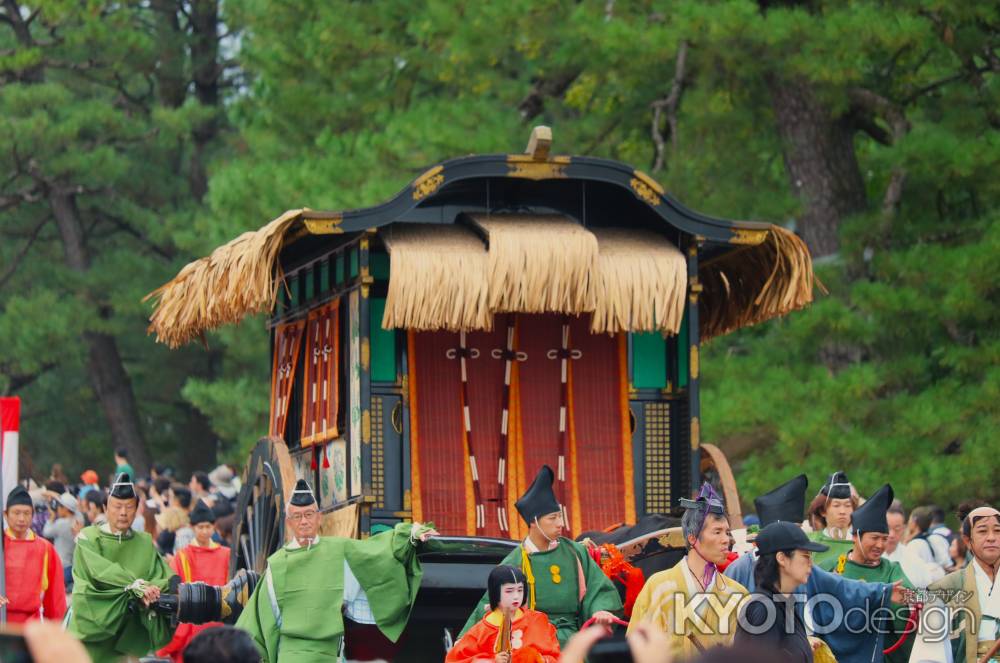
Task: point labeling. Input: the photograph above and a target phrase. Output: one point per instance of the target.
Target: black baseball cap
(785, 536)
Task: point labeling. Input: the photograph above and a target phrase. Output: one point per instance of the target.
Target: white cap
(68, 501)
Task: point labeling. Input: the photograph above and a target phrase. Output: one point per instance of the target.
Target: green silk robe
(302, 619)
(105, 568)
(561, 600)
(837, 548)
(887, 572)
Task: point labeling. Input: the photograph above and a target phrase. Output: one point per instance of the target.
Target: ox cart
(501, 312)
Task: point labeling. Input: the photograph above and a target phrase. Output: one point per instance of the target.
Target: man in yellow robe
(693, 603)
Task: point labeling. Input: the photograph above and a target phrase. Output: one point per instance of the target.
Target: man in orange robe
(527, 636)
(36, 588)
(204, 560)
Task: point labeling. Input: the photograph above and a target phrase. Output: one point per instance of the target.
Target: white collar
(106, 528)
(987, 589)
(530, 546)
(839, 534)
(989, 602)
(693, 586)
(295, 545)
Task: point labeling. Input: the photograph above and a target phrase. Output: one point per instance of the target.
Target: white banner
(10, 424)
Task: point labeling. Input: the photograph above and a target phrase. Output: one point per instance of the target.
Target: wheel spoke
(258, 518)
(247, 564)
(261, 526)
(253, 536)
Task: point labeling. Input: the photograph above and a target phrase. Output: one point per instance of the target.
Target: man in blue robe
(849, 640)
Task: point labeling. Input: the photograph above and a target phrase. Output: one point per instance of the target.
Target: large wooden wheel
(259, 530)
(713, 461)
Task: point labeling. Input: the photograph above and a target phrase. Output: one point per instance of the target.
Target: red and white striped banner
(10, 424)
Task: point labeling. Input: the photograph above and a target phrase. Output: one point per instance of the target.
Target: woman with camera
(61, 529)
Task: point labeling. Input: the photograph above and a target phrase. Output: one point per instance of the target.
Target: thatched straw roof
(629, 280)
(538, 263)
(238, 279)
(438, 278)
(457, 276)
(640, 284)
(755, 283)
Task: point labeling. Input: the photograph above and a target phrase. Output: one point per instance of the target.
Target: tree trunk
(171, 81)
(198, 444)
(206, 71)
(108, 378)
(822, 166)
(22, 32)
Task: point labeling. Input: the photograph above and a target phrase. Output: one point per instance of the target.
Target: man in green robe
(117, 576)
(564, 582)
(296, 612)
(832, 508)
(865, 562)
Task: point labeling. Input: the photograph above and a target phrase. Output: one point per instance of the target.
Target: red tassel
(326, 459)
(618, 570)
(730, 558)
(314, 464)
(634, 581)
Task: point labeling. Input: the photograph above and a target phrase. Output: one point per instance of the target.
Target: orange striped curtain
(287, 341)
(320, 393)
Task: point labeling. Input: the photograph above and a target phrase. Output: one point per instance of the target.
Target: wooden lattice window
(321, 389)
(287, 342)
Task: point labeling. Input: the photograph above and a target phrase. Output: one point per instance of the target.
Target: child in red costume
(205, 560)
(531, 638)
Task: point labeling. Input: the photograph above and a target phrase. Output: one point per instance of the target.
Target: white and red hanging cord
(563, 354)
(463, 353)
(509, 355)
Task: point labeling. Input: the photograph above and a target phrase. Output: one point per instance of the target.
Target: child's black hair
(503, 575)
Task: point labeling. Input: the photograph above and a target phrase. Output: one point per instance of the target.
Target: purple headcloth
(708, 501)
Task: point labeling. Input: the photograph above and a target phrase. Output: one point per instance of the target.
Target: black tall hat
(787, 502)
(837, 487)
(18, 497)
(539, 500)
(122, 488)
(302, 495)
(870, 516)
(202, 513)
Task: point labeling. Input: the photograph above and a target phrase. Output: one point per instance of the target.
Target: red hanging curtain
(320, 393)
(442, 483)
(602, 446)
(287, 341)
(540, 393)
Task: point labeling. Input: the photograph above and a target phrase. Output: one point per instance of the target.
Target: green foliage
(80, 117)
(892, 376)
